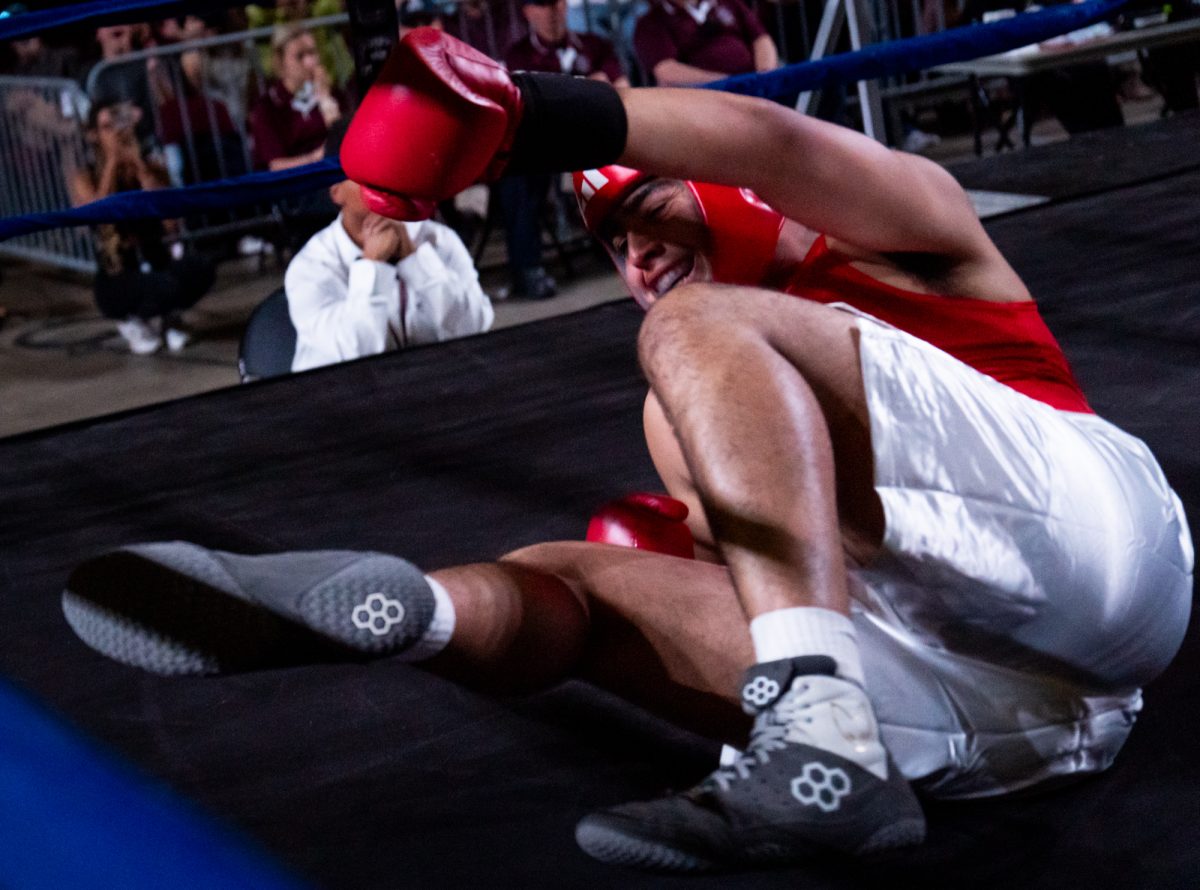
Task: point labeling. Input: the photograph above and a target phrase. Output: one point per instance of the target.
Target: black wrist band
(570, 123)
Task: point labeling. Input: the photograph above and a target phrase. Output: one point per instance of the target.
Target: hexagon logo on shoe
(378, 614)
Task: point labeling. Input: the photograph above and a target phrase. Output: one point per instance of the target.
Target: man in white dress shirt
(365, 284)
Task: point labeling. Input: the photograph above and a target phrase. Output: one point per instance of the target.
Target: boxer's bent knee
(688, 313)
(517, 621)
(812, 336)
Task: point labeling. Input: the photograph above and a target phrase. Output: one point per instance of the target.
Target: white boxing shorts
(1036, 573)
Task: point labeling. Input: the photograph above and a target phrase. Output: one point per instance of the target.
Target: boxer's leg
(765, 396)
(672, 469)
(664, 632)
(860, 514)
(768, 430)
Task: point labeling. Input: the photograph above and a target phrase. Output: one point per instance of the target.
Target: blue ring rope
(918, 53)
(100, 12)
(878, 60)
(168, 203)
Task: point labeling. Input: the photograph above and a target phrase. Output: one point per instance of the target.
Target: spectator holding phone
(140, 281)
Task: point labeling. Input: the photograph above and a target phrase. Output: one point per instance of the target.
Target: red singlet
(1007, 341)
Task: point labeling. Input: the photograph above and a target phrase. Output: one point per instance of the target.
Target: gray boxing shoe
(176, 608)
(783, 800)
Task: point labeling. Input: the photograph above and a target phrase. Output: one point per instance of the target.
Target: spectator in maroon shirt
(289, 123)
(196, 126)
(684, 42)
(290, 120)
(551, 47)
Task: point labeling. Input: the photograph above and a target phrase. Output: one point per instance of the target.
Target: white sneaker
(251, 245)
(141, 335)
(177, 339)
(917, 141)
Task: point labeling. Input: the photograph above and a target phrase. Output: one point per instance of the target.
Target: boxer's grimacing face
(660, 239)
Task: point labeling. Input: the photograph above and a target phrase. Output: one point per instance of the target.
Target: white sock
(440, 629)
(808, 630)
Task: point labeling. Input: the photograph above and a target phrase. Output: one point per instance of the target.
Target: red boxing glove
(645, 522)
(439, 117)
(396, 207)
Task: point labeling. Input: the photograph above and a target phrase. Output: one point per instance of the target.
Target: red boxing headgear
(744, 229)
(600, 191)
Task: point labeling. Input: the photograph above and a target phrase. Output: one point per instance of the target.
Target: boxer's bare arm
(829, 178)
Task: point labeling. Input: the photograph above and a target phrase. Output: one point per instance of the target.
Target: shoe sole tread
(141, 613)
(616, 847)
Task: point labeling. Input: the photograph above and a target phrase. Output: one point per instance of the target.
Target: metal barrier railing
(41, 119)
(41, 144)
(492, 24)
(209, 120)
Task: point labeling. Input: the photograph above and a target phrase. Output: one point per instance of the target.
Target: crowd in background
(169, 102)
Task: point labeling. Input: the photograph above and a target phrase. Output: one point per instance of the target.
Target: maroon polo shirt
(283, 127)
(722, 42)
(578, 54)
(199, 121)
